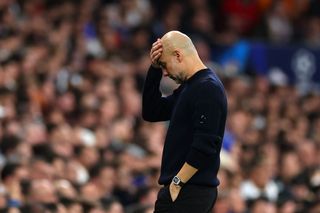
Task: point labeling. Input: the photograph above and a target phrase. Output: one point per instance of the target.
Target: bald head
(175, 40)
(178, 57)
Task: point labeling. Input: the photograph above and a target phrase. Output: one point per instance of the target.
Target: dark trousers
(191, 199)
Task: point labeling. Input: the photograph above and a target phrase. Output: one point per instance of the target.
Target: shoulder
(209, 87)
(210, 92)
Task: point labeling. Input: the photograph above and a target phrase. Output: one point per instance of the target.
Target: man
(197, 112)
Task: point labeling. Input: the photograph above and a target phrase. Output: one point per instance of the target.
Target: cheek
(173, 67)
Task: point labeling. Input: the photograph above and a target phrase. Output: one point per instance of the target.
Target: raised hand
(155, 53)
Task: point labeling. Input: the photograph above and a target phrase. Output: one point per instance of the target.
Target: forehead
(166, 48)
(166, 53)
(163, 57)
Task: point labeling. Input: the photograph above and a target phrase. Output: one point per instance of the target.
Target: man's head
(42, 191)
(179, 57)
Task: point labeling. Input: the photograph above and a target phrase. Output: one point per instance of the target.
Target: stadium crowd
(71, 134)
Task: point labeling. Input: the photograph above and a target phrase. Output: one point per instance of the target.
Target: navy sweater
(197, 112)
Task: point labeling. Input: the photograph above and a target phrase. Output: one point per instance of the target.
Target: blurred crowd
(71, 134)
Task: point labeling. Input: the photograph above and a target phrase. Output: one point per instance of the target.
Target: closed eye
(162, 64)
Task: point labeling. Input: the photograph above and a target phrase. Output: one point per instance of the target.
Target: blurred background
(71, 74)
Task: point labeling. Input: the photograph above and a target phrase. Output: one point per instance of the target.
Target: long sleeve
(209, 108)
(196, 130)
(154, 106)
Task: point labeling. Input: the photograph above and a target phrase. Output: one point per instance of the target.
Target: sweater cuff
(204, 149)
(154, 73)
(198, 159)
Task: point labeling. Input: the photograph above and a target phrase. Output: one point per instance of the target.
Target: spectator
(259, 182)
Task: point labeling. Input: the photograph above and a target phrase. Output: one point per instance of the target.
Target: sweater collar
(197, 75)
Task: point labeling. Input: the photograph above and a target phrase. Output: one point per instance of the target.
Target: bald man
(197, 111)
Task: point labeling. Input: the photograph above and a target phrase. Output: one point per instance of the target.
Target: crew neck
(197, 75)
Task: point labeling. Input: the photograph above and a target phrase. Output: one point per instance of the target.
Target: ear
(178, 55)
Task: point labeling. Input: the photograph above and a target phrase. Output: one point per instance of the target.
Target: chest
(183, 108)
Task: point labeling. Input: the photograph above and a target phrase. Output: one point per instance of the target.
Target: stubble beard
(179, 78)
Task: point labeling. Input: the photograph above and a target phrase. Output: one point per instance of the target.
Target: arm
(185, 173)
(206, 142)
(209, 109)
(154, 106)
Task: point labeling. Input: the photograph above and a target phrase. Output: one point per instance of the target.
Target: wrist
(155, 65)
(176, 181)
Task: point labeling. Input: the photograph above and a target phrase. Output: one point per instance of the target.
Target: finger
(156, 47)
(155, 58)
(159, 51)
(156, 51)
(155, 44)
(155, 61)
(157, 41)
